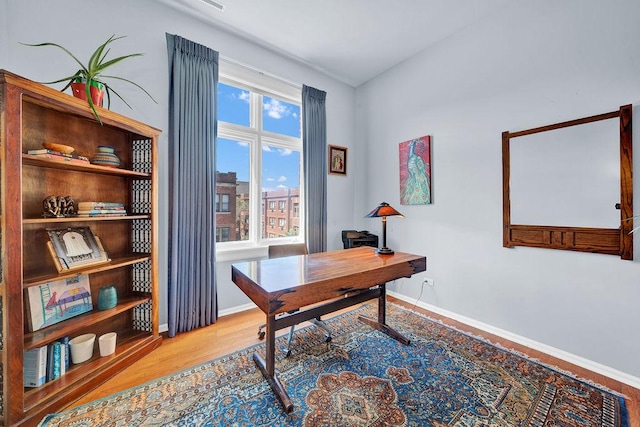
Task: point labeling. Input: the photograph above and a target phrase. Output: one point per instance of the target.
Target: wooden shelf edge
(116, 262)
(67, 327)
(86, 376)
(33, 160)
(84, 219)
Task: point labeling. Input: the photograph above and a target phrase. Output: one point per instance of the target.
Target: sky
(280, 167)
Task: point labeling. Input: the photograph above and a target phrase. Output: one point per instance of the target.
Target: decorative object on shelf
(58, 207)
(106, 156)
(337, 160)
(92, 72)
(107, 297)
(384, 210)
(58, 300)
(73, 248)
(82, 347)
(107, 343)
(415, 171)
(61, 148)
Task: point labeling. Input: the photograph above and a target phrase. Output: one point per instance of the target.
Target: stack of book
(91, 209)
(47, 363)
(57, 155)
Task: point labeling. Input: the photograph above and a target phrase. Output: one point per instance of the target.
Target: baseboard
(164, 327)
(236, 309)
(552, 351)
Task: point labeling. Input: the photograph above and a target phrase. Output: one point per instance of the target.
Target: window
(259, 145)
(222, 234)
(296, 210)
(222, 202)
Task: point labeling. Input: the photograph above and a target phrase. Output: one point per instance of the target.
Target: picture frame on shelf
(58, 300)
(337, 160)
(73, 248)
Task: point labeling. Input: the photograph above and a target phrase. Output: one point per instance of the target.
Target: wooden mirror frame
(613, 241)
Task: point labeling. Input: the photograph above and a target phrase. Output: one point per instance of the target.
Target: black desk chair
(277, 251)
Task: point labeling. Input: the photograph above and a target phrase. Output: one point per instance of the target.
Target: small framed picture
(337, 160)
(75, 248)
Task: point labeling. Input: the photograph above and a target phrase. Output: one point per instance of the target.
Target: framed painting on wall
(415, 171)
(337, 160)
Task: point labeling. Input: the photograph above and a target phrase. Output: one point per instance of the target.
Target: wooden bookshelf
(31, 114)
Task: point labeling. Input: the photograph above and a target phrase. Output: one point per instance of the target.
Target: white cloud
(275, 109)
(266, 148)
(282, 187)
(270, 179)
(282, 178)
(244, 96)
(285, 151)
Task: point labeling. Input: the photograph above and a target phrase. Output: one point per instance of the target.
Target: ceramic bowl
(66, 149)
(82, 347)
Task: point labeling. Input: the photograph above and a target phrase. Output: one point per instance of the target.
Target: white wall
(535, 63)
(145, 23)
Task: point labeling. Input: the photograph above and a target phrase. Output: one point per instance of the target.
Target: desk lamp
(384, 210)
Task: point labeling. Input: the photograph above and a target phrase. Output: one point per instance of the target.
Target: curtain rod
(264, 73)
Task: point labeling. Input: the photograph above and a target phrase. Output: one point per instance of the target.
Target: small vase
(106, 157)
(107, 297)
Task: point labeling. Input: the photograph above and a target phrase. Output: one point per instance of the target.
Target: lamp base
(384, 251)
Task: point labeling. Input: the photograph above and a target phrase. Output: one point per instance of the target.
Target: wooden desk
(337, 279)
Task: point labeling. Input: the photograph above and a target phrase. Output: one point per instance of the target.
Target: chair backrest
(277, 251)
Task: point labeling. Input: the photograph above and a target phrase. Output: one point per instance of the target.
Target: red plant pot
(96, 89)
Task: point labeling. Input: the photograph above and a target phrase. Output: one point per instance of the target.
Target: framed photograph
(415, 171)
(58, 300)
(337, 160)
(73, 248)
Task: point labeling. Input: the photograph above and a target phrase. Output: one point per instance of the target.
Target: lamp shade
(383, 209)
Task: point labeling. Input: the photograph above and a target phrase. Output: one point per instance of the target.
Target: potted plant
(93, 74)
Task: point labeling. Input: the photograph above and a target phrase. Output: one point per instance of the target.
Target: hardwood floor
(239, 330)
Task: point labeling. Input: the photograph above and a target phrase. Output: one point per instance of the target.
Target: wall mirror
(569, 185)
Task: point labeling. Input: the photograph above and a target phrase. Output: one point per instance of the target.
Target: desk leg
(268, 367)
(381, 324)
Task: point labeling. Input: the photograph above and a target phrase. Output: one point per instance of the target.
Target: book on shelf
(99, 205)
(54, 363)
(35, 367)
(57, 300)
(62, 157)
(102, 211)
(67, 352)
(97, 215)
(42, 151)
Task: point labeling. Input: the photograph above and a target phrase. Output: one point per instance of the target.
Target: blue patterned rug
(364, 378)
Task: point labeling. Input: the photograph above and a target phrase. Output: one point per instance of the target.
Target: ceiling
(349, 40)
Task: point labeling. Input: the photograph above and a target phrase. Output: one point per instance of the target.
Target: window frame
(259, 84)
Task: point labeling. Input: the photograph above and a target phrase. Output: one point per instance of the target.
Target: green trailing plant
(93, 72)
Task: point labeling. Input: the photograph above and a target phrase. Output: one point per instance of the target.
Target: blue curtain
(193, 79)
(314, 145)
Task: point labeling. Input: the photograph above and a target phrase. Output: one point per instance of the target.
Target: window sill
(241, 253)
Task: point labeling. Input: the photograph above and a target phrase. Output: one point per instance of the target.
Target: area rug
(364, 378)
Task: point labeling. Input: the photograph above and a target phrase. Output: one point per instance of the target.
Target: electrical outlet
(428, 282)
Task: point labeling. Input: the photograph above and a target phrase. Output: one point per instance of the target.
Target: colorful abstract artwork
(58, 300)
(415, 171)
